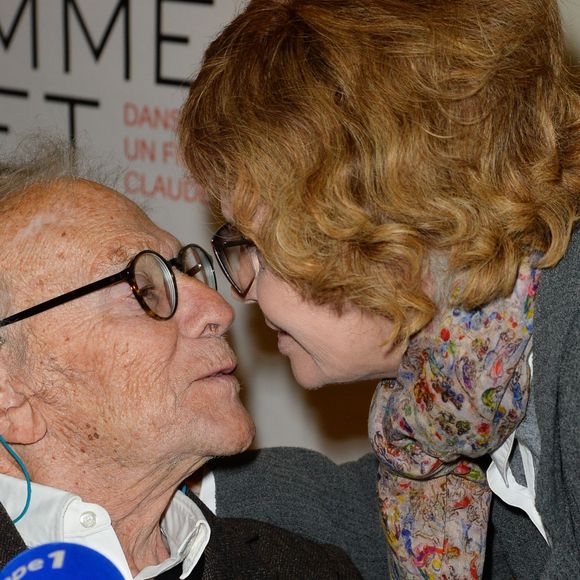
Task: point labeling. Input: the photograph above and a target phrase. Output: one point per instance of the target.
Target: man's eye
(147, 291)
(154, 297)
(151, 292)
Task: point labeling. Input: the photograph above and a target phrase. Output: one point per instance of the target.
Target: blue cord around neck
(26, 475)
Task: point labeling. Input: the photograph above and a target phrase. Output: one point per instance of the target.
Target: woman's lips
(271, 325)
(285, 340)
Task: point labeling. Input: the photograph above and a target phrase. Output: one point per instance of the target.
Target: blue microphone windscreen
(60, 561)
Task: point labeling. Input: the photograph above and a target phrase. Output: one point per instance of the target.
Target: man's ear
(20, 421)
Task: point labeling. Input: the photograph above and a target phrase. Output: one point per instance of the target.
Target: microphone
(60, 561)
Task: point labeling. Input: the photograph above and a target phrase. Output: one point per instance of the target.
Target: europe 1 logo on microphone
(60, 561)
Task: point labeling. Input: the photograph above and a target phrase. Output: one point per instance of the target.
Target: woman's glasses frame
(228, 236)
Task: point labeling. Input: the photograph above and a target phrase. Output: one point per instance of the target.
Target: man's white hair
(41, 157)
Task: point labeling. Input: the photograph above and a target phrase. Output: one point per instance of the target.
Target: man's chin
(244, 436)
(251, 433)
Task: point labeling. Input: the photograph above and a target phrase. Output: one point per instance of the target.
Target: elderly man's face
(111, 382)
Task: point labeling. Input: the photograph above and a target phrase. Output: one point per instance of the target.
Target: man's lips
(226, 369)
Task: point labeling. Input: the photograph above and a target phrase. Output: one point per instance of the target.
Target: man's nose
(201, 310)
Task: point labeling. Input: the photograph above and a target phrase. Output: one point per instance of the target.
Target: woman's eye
(260, 259)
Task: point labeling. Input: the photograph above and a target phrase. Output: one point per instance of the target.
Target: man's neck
(136, 502)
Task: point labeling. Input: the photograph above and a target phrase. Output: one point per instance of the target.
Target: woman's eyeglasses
(237, 257)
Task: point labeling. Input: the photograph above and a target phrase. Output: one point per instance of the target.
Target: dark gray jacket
(239, 549)
(305, 492)
(556, 392)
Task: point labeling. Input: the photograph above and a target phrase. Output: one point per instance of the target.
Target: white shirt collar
(55, 515)
(503, 483)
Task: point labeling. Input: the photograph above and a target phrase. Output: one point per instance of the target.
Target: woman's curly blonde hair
(370, 135)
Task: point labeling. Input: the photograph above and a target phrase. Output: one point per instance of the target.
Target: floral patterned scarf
(461, 389)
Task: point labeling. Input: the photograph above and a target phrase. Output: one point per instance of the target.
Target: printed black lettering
(6, 92)
(161, 37)
(72, 102)
(6, 38)
(97, 49)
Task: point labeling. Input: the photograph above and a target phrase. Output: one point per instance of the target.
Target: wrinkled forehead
(79, 224)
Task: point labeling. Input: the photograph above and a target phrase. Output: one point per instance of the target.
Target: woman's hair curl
(355, 140)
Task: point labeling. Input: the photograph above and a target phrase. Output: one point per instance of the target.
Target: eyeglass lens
(155, 283)
(237, 255)
(197, 264)
(240, 262)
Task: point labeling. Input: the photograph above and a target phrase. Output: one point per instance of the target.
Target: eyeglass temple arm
(178, 263)
(92, 287)
(233, 243)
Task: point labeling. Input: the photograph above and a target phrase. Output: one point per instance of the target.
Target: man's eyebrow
(120, 256)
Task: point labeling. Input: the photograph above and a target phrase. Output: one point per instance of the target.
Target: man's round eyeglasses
(237, 257)
(151, 279)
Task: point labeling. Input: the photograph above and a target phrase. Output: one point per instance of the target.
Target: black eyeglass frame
(126, 275)
(219, 244)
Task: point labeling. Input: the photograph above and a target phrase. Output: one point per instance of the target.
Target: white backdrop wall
(112, 74)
